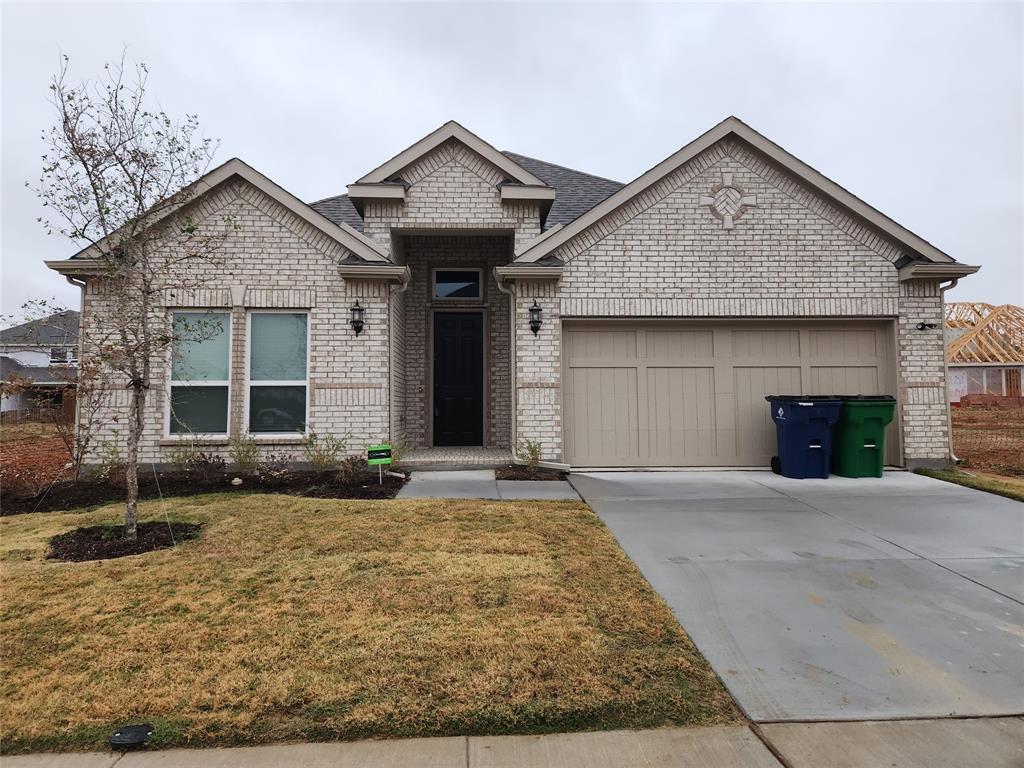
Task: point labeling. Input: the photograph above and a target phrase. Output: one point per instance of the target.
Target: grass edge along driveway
(295, 619)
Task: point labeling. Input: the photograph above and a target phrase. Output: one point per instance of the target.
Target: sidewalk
(942, 743)
(712, 747)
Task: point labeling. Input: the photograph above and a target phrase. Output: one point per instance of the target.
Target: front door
(458, 378)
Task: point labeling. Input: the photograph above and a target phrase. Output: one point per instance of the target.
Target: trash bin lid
(867, 398)
(804, 399)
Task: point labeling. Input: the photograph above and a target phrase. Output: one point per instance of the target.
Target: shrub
(528, 452)
(323, 452)
(351, 470)
(397, 450)
(244, 452)
(112, 465)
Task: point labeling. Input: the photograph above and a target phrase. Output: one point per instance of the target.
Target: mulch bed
(323, 484)
(104, 542)
(521, 472)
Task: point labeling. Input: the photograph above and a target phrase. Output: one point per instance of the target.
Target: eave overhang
(526, 192)
(396, 273)
(527, 272)
(925, 270)
(384, 191)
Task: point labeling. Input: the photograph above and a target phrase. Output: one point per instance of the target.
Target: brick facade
(728, 234)
(274, 260)
(789, 253)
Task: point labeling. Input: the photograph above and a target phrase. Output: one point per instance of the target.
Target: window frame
(249, 384)
(171, 383)
(479, 284)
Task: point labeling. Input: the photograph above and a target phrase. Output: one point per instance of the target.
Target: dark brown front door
(458, 378)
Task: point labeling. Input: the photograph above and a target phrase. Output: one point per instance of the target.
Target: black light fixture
(535, 321)
(357, 317)
(927, 326)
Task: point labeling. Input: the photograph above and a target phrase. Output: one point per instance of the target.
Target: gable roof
(58, 329)
(450, 130)
(736, 127)
(577, 193)
(986, 334)
(344, 234)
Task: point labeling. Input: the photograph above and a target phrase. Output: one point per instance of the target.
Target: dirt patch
(31, 457)
(325, 484)
(105, 542)
(521, 472)
(990, 438)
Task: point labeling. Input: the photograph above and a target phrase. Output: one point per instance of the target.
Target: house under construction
(985, 348)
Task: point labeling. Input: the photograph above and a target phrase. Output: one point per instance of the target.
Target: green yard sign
(378, 454)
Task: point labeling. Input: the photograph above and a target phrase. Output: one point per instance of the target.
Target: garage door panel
(843, 344)
(680, 415)
(664, 393)
(845, 380)
(755, 431)
(672, 345)
(602, 415)
(765, 344)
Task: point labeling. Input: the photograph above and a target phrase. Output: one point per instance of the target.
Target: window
(457, 284)
(277, 372)
(200, 361)
(58, 355)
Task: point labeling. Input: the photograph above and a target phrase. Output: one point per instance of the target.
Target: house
(461, 300)
(985, 349)
(42, 357)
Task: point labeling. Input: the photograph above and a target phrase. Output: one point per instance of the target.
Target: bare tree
(117, 179)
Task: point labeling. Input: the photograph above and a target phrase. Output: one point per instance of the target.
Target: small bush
(528, 452)
(207, 466)
(397, 450)
(351, 470)
(182, 455)
(112, 464)
(323, 452)
(244, 452)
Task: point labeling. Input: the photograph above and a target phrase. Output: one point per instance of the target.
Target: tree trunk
(131, 510)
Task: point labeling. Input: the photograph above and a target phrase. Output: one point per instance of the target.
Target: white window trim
(479, 283)
(171, 382)
(249, 383)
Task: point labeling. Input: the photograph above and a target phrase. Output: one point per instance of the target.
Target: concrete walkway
(993, 742)
(480, 484)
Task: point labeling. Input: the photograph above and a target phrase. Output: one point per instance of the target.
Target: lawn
(310, 619)
(1011, 487)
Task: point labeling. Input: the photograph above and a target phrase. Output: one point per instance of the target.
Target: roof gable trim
(734, 126)
(430, 142)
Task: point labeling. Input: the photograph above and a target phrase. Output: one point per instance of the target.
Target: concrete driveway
(834, 599)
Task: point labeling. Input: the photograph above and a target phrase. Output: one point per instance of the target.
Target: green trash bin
(858, 443)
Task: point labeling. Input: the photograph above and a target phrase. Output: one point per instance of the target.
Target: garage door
(686, 394)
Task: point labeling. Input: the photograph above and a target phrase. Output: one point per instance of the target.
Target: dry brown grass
(309, 619)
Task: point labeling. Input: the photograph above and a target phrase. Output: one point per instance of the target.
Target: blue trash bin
(803, 427)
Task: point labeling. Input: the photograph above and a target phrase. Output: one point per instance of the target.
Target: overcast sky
(915, 108)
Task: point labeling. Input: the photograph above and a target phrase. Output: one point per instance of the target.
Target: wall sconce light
(927, 326)
(535, 321)
(357, 317)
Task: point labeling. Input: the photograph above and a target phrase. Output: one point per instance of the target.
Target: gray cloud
(915, 108)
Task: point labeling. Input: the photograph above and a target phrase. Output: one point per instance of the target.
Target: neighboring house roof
(450, 130)
(37, 374)
(58, 329)
(986, 333)
(733, 126)
(576, 193)
(344, 234)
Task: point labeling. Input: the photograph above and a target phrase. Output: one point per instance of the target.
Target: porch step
(456, 458)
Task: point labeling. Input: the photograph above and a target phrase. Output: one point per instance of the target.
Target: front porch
(456, 457)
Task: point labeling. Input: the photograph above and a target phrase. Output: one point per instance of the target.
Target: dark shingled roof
(56, 330)
(340, 210)
(576, 193)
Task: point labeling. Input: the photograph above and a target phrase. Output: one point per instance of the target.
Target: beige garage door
(687, 394)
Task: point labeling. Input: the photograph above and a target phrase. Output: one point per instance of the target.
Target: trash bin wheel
(776, 465)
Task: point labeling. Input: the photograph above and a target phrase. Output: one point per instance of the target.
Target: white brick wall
(282, 262)
(790, 254)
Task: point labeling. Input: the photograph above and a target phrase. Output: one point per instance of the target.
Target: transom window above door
(458, 284)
